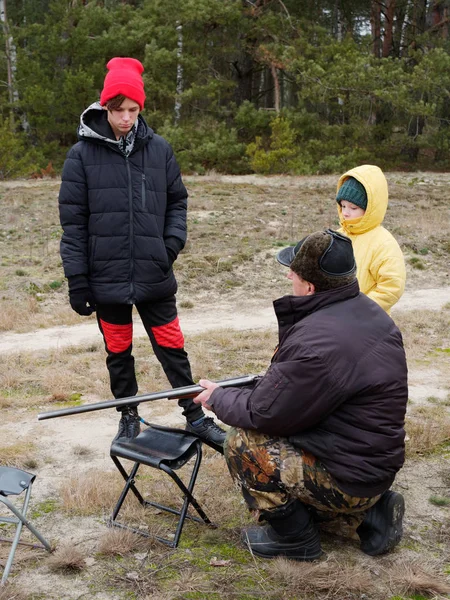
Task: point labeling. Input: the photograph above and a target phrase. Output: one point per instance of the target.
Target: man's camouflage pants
(271, 472)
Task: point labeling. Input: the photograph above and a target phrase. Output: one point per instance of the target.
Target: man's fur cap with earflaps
(324, 258)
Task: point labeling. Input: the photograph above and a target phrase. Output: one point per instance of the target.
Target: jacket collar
(94, 127)
(292, 309)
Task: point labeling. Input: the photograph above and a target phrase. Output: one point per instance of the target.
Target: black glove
(81, 298)
(173, 247)
(172, 256)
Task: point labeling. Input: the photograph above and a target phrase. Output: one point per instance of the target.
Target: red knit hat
(124, 77)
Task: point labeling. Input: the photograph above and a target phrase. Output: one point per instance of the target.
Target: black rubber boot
(382, 527)
(129, 424)
(290, 532)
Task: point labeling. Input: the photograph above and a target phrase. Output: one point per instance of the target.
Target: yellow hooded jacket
(380, 264)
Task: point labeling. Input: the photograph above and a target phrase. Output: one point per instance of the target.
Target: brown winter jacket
(338, 383)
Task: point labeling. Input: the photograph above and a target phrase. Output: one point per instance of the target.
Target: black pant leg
(160, 320)
(116, 324)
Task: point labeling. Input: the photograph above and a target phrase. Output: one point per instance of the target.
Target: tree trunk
(276, 84)
(388, 28)
(418, 22)
(245, 74)
(440, 18)
(444, 126)
(375, 21)
(338, 22)
(417, 123)
(10, 53)
(399, 29)
(179, 87)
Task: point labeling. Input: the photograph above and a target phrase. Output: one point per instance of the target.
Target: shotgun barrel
(189, 391)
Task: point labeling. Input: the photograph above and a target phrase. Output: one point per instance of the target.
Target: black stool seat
(167, 449)
(155, 445)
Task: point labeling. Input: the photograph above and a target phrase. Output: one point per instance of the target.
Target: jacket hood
(94, 126)
(374, 181)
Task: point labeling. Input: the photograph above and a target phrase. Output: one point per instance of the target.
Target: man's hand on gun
(204, 396)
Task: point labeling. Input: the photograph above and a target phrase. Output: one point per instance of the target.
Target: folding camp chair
(12, 483)
(167, 449)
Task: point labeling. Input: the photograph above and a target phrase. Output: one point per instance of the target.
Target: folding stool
(167, 449)
(13, 482)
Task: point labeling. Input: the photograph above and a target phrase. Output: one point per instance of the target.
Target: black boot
(129, 424)
(207, 430)
(290, 532)
(382, 527)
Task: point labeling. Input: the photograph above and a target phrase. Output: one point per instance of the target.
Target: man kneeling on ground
(319, 438)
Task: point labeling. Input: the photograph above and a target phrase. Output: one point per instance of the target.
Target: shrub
(16, 158)
(205, 146)
(279, 153)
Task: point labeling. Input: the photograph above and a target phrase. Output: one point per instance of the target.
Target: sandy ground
(59, 438)
(65, 433)
(223, 316)
(423, 383)
(94, 432)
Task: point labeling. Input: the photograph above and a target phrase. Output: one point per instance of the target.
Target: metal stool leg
(187, 490)
(129, 479)
(20, 521)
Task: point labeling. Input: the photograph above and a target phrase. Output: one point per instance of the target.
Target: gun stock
(189, 391)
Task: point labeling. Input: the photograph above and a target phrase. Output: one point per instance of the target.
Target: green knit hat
(353, 191)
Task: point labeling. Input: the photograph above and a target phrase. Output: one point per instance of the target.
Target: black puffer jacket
(120, 214)
(338, 383)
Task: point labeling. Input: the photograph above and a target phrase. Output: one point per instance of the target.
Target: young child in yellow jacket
(362, 197)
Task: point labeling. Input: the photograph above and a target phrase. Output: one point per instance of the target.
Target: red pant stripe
(170, 335)
(118, 338)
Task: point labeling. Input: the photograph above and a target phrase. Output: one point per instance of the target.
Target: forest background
(236, 86)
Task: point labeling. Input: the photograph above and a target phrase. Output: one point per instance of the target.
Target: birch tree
(179, 87)
(11, 64)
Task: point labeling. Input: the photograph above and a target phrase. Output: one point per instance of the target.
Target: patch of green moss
(439, 500)
(45, 507)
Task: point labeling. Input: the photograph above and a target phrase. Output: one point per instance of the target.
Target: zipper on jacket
(143, 190)
(130, 202)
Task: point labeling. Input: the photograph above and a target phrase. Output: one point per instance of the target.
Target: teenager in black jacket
(320, 438)
(123, 207)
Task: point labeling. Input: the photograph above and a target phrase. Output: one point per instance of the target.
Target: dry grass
(28, 380)
(119, 542)
(235, 231)
(67, 558)
(425, 331)
(441, 533)
(253, 222)
(333, 578)
(82, 451)
(9, 591)
(90, 493)
(214, 490)
(53, 379)
(410, 577)
(20, 455)
(133, 584)
(17, 314)
(428, 429)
